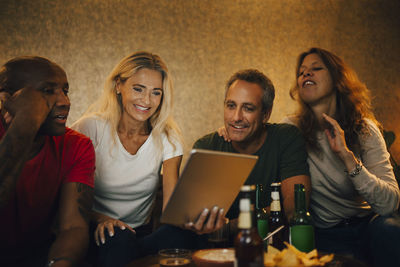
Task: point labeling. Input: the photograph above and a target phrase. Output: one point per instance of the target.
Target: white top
(125, 184)
(336, 196)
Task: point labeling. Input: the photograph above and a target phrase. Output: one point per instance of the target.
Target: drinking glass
(174, 257)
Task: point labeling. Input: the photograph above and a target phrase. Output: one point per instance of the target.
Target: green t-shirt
(282, 155)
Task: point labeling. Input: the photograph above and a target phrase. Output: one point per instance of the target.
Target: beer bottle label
(275, 206)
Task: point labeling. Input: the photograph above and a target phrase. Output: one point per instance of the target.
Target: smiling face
(141, 94)
(314, 81)
(243, 114)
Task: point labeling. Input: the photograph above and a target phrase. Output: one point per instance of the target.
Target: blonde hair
(109, 105)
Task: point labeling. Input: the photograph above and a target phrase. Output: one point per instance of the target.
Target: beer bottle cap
(247, 188)
(276, 184)
(298, 187)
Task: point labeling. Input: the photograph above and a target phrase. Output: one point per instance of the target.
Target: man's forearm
(70, 247)
(14, 151)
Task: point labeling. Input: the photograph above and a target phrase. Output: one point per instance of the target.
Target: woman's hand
(337, 143)
(224, 133)
(109, 224)
(208, 223)
(335, 135)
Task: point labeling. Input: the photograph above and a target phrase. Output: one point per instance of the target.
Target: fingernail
(190, 224)
(103, 241)
(111, 234)
(221, 211)
(97, 243)
(215, 208)
(122, 227)
(205, 211)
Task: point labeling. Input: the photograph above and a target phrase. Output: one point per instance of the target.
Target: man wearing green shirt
(281, 149)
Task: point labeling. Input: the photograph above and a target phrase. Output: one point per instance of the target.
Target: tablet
(209, 178)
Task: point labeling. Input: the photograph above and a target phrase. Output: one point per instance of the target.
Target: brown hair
(353, 102)
(259, 78)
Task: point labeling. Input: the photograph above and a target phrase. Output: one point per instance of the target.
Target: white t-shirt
(125, 184)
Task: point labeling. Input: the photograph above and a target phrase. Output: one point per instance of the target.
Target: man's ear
(267, 115)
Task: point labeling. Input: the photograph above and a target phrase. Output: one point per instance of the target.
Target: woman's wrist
(356, 171)
(349, 160)
(353, 165)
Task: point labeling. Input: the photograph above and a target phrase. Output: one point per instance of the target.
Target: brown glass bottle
(276, 218)
(249, 191)
(249, 248)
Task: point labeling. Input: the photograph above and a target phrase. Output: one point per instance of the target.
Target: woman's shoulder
(371, 125)
(90, 121)
(373, 134)
(170, 139)
(92, 126)
(291, 119)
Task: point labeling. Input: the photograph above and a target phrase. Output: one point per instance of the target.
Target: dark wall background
(204, 42)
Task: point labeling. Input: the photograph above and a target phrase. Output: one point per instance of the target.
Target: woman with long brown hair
(351, 176)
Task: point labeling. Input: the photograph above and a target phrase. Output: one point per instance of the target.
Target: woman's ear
(117, 86)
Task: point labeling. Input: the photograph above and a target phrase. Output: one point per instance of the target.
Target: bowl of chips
(217, 257)
(292, 257)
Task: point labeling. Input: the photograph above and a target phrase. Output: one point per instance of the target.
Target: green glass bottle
(301, 225)
(261, 212)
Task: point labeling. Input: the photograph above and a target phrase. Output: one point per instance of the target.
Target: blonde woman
(134, 135)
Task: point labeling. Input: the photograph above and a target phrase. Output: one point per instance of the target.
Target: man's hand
(32, 103)
(4, 96)
(207, 223)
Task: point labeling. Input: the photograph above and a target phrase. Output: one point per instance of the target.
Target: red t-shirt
(28, 217)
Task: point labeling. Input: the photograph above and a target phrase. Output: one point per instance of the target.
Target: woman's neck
(130, 127)
(328, 107)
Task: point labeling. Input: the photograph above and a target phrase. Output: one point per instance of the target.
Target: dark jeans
(125, 246)
(374, 241)
(384, 233)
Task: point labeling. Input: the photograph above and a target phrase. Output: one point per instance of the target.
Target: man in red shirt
(46, 169)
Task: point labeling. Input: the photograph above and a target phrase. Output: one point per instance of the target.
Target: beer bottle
(276, 218)
(249, 248)
(301, 226)
(261, 212)
(249, 191)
